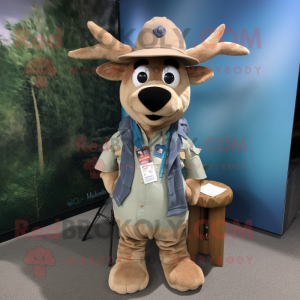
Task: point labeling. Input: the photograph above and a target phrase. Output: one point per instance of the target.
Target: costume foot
(185, 276)
(128, 277)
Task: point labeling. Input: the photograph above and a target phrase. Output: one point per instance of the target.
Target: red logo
(40, 68)
(90, 166)
(39, 258)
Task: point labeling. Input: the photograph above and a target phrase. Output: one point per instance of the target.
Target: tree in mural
(41, 118)
(40, 68)
(29, 190)
(102, 135)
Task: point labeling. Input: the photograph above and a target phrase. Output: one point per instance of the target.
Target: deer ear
(198, 74)
(112, 71)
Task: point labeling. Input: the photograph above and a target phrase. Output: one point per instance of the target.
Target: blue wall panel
(243, 122)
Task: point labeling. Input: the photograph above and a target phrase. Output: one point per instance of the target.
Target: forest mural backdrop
(55, 111)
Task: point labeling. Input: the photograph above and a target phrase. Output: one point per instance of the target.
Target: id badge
(146, 164)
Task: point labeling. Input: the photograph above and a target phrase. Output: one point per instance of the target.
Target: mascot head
(156, 75)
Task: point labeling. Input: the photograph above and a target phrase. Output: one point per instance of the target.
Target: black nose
(154, 98)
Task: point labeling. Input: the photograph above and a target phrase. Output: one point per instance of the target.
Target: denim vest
(176, 195)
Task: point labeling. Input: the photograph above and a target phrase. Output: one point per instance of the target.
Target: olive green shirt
(148, 203)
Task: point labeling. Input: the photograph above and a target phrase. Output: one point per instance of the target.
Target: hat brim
(189, 61)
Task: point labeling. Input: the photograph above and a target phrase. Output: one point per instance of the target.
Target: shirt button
(142, 205)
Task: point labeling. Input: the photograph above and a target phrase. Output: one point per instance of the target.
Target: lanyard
(138, 142)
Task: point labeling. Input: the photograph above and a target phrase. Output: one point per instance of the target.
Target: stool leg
(193, 240)
(216, 230)
(203, 243)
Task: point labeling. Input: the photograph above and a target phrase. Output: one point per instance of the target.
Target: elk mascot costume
(150, 149)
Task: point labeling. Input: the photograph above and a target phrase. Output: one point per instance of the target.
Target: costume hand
(192, 190)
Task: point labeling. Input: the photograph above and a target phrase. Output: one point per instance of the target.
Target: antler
(108, 47)
(211, 47)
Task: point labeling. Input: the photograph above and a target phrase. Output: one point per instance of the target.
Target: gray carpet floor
(272, 273)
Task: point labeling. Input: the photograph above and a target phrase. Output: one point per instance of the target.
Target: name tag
(148, 172)
(146, 164)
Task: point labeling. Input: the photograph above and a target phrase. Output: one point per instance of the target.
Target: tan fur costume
(158, 41)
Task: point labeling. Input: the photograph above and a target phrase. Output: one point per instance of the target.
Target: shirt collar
(162, 132)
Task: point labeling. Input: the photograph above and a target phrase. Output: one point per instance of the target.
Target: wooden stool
(207, 224)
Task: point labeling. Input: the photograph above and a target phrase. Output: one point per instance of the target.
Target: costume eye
(140, 75)
(170, 76)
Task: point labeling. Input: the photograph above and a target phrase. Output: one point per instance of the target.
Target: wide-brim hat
(160, 37)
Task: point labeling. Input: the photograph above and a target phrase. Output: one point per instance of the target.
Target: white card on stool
(211, 190)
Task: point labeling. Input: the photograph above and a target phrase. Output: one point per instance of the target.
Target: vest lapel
(179, 131)
(124, 182)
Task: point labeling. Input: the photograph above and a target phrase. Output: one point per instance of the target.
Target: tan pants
(133, 238)
(130, 273)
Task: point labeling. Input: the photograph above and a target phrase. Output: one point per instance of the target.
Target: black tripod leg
(112, 223)
(98, 214)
